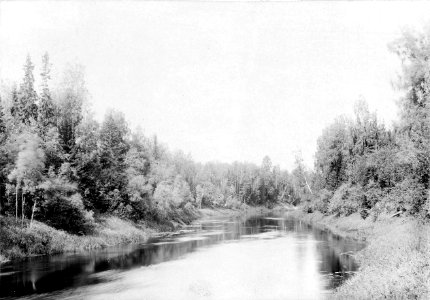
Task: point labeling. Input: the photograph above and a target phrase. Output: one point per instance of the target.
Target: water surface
(265, 257)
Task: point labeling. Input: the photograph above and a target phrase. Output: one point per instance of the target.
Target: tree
(332, 155)
(27, 94)
(28, 170)
(46, 115)
(63, 207)
(139, 182)
(3, 157)
(266, 185)
(413, 48)
(113, 149)
(16, 109)
(71, 98)
(301, 179)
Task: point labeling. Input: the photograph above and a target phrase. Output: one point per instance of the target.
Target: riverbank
(246, 211)
(395, 264)
(17, 242)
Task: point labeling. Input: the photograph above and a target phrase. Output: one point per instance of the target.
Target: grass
(394, 265)
(18, 242)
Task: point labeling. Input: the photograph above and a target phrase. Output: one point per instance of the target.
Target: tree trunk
(22, 209)
(16, 202)
(1, 198)
(283, 193)
(307, 184)
(32, 212)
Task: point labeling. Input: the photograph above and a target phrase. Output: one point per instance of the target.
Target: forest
(363, 166)
(60, 166)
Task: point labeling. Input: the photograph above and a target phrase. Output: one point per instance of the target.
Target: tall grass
(18, 242)
(395, 264)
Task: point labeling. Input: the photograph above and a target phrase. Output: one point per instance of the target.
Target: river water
(271, 256)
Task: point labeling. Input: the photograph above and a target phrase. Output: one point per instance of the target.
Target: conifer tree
(16, 109)
(27, 94)
(46, 110)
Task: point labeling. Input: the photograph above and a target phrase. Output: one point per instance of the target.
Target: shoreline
(395, 262)
(42, 239)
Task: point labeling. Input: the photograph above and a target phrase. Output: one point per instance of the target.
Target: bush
(364, 213)
(68, 213)
(307, 208)
(209, 195)
(17, 242)
(232, 202)
(63, 207)
(322, 200)
(346, 200)
(408, 195)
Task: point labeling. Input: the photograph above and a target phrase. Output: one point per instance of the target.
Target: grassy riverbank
(17, 242)
(245, 211)
(394, 265)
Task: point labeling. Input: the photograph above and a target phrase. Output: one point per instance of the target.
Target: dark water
(265, 257)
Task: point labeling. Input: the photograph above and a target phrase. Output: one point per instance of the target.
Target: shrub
(408, 195)
(307, 208)
(321, 201)
(68, 213)
(209, 195)
(63, 207)
(373, 195)
(232, 202)
(189, 209)
(17, 241)
(346, 200)
(364, 213)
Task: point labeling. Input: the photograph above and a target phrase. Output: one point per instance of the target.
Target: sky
(224, 81)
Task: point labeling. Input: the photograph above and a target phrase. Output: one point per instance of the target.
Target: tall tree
(16, 108)
(332, 154)
(112, 151)
(266, 180)
(413, 48)
(3, 157)
(27, 94)
(28, 172)
(46, 115)
(71, 98)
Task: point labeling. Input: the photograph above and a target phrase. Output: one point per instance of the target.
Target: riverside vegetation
(372, 183)
(68, 180)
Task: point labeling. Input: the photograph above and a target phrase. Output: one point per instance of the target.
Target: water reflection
(296, 250)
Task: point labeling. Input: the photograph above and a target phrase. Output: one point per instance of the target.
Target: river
(271, 256)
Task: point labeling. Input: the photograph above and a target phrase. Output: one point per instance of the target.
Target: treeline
(60, 166)
(361, 166)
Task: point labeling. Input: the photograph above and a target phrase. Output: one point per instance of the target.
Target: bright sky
(224, 81)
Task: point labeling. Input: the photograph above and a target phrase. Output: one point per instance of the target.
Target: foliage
(63, 207)
(346, 200)
(394, 265)
(375, 170)
(55, 156)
